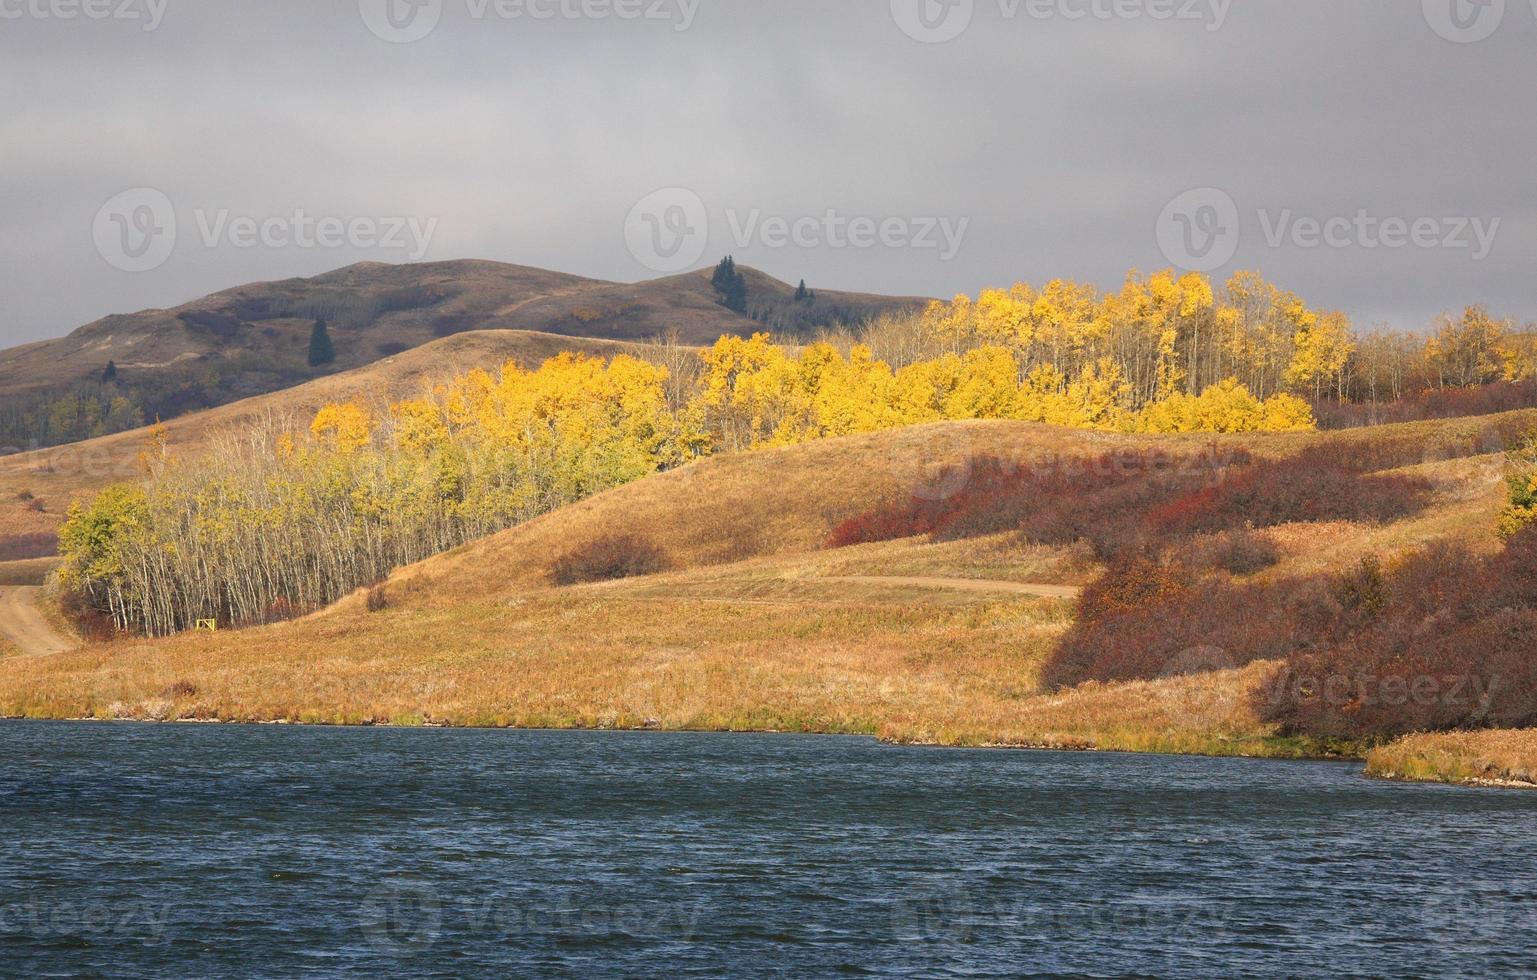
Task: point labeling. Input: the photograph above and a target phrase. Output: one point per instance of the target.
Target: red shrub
(1454, 645)
(1097, 500)
(1445, 403)
(1316, 485)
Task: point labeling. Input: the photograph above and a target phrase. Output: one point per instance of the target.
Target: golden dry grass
(748, 632)
(1490, 758)
(34, 571)
(773, 503)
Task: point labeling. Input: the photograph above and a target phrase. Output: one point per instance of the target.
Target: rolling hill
(756, 622)
(254, 339)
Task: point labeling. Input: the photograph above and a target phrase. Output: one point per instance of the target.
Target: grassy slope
(59, 475)
(1492, 758)
(744, 633)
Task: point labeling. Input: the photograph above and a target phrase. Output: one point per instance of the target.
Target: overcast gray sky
(1047, 137)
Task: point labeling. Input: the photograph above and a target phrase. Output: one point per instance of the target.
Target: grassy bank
(1490, 758)
(766, 645)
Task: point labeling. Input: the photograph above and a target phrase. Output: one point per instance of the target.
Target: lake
(228, 851)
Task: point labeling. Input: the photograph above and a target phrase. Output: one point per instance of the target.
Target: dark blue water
(216, 851)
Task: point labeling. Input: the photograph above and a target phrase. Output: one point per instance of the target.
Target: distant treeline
(133, 398)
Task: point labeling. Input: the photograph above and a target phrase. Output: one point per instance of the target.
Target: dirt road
(964, 585)
(23, 624)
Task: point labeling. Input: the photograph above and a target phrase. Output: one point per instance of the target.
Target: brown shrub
(1146, 620)
(607, 558)
(1239, 553)
(1364, 591)
(378, 599)
(91, 623)
(1448, 640)
(1247, 553)
(20, 547)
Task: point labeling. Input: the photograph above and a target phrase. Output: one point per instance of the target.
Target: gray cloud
(529, 141)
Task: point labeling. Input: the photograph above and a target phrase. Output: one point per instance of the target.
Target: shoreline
(1064, 748)
(1369, 760)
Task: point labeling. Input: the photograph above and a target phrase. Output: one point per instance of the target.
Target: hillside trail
(23, 624)
(963, 585)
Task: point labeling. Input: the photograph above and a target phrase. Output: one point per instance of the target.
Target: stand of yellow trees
(281, 518)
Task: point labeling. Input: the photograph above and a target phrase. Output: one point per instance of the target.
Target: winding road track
(964, 585)
(23, 624)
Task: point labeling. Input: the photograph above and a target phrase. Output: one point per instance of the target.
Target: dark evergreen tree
(725, 272)
(730, 285)
(109, 373)
(802, 293)
(322, 351)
